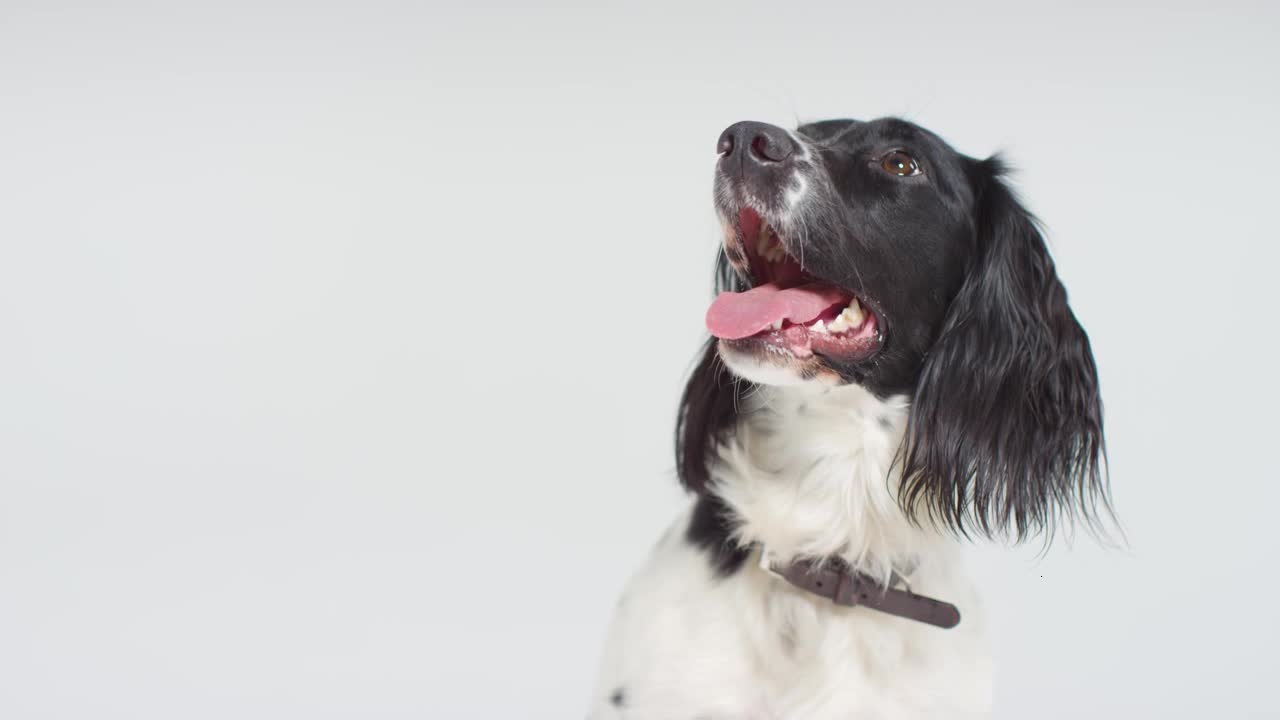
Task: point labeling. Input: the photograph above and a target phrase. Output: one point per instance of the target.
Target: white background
(341, 342)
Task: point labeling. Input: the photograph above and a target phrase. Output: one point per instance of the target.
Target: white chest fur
(809, 472)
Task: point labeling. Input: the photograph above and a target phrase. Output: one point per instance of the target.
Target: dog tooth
(840, 324)
(853, 314)
(777, 324)
(819, 327)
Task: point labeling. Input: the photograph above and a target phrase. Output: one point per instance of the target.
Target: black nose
(762, 142)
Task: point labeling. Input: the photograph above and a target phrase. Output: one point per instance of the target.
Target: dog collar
(834, 580)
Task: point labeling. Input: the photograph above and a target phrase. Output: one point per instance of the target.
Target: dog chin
(773, 368)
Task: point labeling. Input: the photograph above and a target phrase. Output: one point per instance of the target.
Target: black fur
(708, 407)
(1006, 422)
(1005, 431)
(710, 529)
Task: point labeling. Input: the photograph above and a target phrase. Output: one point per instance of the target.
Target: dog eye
(899, 163)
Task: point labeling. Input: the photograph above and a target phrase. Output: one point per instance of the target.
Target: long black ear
(1005, 431)
(709, 404)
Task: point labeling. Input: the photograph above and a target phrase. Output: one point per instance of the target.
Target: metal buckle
(766, 563)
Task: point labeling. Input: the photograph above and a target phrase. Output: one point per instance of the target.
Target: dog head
(872, 253)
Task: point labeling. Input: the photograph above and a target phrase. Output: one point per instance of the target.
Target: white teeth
(853, 314)
(850, 318)
(777, 324)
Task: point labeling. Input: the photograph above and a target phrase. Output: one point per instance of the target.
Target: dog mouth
(788, 309)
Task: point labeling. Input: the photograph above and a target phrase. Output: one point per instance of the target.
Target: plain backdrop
(340, 342)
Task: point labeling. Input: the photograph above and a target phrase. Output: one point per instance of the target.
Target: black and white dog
(894, 367)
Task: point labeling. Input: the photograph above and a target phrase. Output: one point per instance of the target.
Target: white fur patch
(809, 472)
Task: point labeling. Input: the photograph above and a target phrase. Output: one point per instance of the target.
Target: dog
(893, 369)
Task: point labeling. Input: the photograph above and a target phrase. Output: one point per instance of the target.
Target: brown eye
(899, 163)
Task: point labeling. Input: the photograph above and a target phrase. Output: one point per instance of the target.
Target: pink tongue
(738, 315)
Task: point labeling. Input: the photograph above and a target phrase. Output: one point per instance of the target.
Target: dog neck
(809, 472)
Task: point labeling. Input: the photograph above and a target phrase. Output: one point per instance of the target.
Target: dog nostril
(725, 146)
(766, 149)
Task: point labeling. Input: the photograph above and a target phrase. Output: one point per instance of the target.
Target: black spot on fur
(885, 422)
(710, 529)
(619, 697)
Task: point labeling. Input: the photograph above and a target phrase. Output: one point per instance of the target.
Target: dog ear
(1005, 431)
(709, 404)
